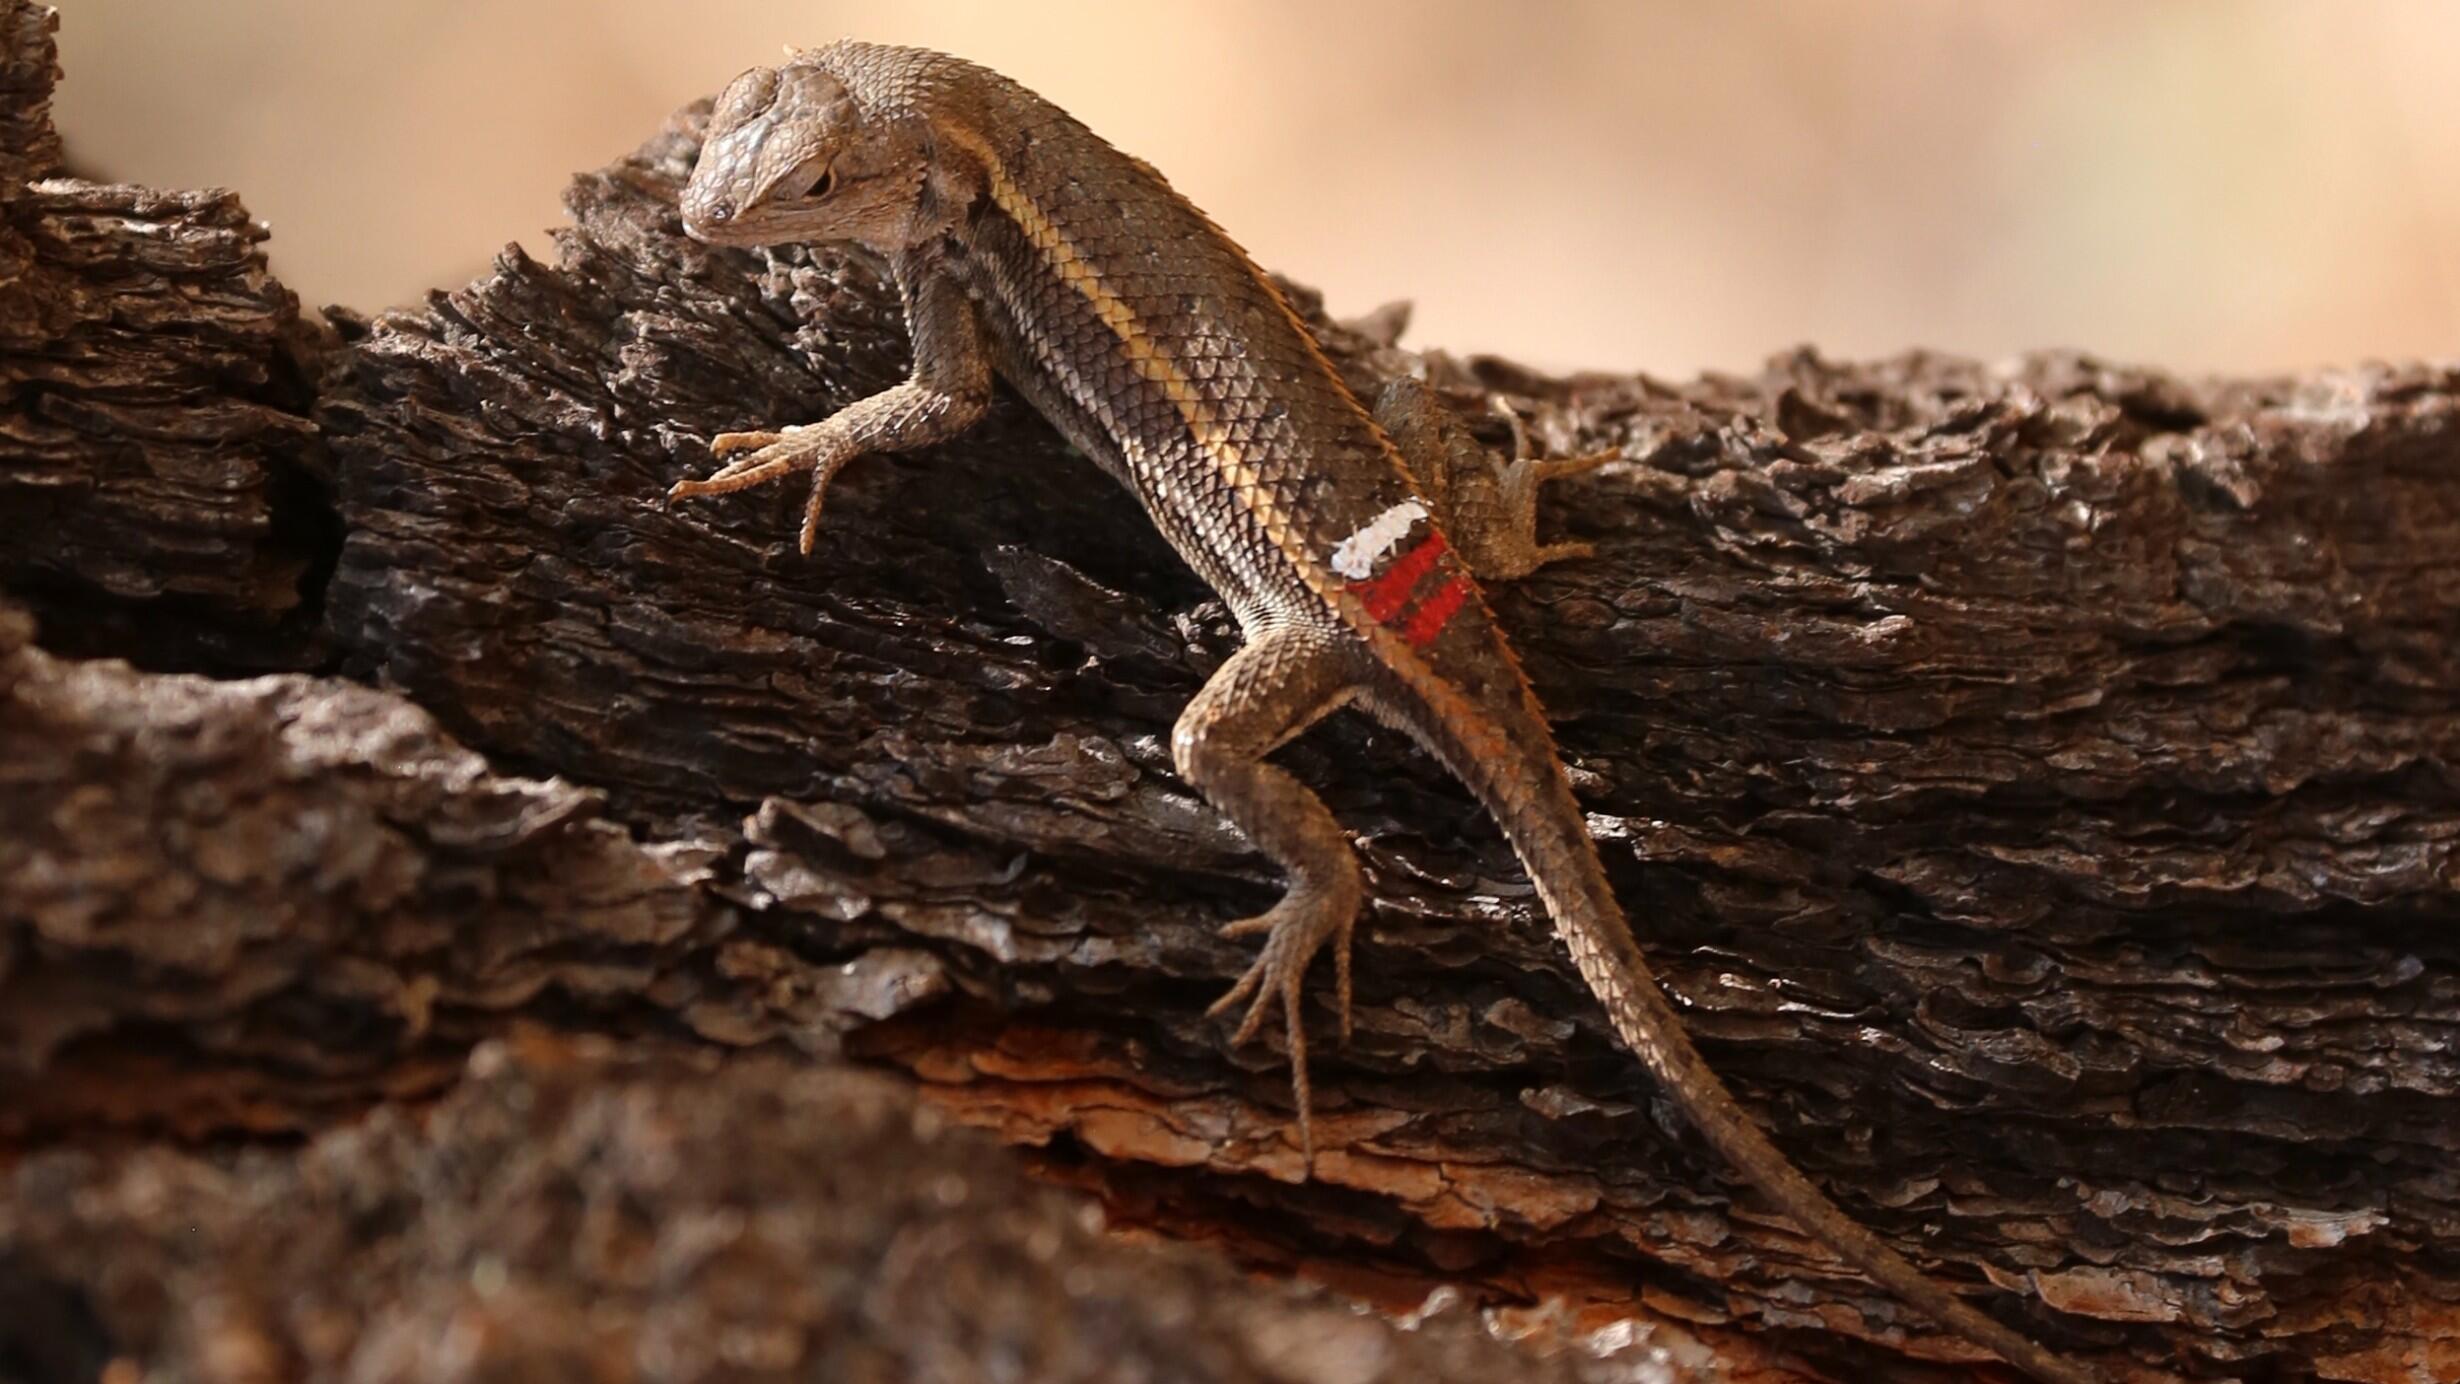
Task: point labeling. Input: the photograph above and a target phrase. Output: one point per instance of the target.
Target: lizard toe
(1295, 930)
(728, 443)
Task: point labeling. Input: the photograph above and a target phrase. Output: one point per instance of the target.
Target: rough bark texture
(566, 1216)
(158, 492)
(2039, 785)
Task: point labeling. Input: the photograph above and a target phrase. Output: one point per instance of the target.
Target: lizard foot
(1295, 930)
(766, 457)
(772, 454)
(1505, 541)
(1486, 505)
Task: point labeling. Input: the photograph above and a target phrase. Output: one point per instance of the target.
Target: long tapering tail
(1547, 830)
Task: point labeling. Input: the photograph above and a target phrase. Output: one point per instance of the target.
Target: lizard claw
(1295, 930)
(1556, 468)
(772, 455)
(776, 454)
(729, 443)
(1525, 472)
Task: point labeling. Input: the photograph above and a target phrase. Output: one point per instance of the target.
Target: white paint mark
(1357, 555)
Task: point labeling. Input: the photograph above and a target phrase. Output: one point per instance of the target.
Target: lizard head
(790, 156)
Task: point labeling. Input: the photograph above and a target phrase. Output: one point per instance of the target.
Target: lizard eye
(821, 186)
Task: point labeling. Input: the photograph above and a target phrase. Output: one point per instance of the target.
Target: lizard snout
(706, 213)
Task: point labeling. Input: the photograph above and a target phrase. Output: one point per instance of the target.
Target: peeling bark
(2037, 785)
(568, 1216)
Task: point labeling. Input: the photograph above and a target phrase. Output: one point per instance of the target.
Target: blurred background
(2227, 185)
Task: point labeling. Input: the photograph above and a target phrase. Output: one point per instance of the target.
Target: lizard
(1348, 542)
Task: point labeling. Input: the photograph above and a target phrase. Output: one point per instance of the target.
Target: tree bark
(159, 492)
(2035, 783)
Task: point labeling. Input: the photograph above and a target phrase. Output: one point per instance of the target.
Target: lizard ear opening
(821, 186)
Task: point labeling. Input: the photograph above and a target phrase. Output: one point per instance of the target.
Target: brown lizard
(1346, 542)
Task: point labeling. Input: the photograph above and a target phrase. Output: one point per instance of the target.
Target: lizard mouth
(720, 221)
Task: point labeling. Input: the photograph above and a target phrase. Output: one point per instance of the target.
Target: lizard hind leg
(1486, 507)
(1284, 681)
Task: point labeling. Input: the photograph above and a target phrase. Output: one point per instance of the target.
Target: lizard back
(1152, 340)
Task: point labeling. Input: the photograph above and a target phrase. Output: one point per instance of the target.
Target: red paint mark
(1435, 612)
(1384, 596)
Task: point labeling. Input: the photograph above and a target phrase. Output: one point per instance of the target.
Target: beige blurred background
(1673, 187)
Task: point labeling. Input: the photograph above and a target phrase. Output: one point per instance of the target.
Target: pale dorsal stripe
(1204, 423)
(1147, 357)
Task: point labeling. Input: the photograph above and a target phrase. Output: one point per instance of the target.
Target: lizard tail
(1547, 830)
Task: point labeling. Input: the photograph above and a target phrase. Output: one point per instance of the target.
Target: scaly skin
(1027, 247)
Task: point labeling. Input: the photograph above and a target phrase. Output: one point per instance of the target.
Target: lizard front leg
(947, 392)
(1488, 510)
(1286, 680)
